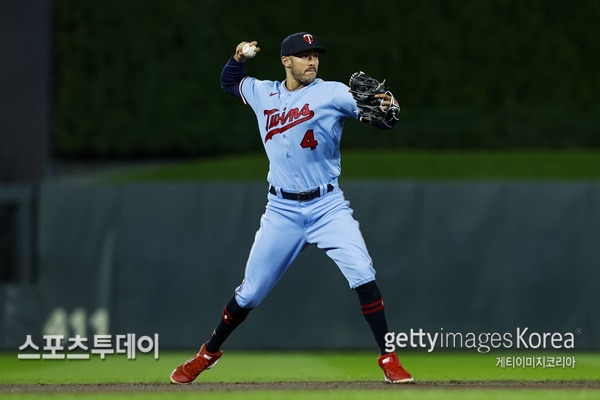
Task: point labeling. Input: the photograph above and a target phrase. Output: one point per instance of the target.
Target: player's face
(304, 67)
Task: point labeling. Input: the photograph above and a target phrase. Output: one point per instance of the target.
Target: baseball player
(300, 122)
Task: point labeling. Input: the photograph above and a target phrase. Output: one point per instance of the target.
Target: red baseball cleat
(188, 371)
(393, 371)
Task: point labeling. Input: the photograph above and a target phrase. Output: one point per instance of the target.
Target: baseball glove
(364, 88)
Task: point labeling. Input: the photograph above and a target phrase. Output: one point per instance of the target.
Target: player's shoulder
(331, 86)
(340, 96)
(261, 84)
(335, 88)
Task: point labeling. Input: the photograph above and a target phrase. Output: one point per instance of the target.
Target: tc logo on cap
(308, 38)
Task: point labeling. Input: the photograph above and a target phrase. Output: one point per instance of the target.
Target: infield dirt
(278, 386)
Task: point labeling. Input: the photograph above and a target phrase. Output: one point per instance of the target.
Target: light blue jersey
(300, 130)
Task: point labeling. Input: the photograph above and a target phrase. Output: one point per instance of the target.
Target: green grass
(394, 164)
(399, 394)
(292, 366)
(238, 366)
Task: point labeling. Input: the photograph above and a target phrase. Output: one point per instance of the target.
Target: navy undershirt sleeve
(231, 76)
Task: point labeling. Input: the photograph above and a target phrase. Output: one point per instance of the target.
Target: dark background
(141, 78)
(107, 80)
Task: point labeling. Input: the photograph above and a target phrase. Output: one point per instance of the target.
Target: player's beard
(304, 78)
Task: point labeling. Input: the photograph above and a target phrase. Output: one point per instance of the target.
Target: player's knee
(248, 302)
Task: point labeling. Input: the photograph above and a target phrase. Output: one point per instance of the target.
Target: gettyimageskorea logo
(521, 338)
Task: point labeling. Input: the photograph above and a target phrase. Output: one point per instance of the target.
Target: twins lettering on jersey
(278, 122)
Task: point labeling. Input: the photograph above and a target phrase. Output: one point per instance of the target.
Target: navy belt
(302, 196)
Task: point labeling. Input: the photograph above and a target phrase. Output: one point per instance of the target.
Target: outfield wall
(165, 257)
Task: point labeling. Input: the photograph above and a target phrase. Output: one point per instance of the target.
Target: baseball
(248, 50)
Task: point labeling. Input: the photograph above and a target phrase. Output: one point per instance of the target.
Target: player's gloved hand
(374, 101)
(387, 101)
(239, 55)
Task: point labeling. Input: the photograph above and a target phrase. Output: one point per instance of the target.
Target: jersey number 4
(309, 141)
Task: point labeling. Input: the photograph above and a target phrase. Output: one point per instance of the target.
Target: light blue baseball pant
(287, 227)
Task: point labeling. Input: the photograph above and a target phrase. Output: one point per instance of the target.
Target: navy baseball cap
(299, 42)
